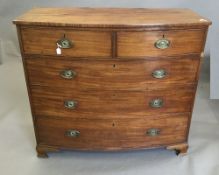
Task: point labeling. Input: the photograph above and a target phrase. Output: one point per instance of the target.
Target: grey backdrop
(9, 9)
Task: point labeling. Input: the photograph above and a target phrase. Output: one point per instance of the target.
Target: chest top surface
(112, 17)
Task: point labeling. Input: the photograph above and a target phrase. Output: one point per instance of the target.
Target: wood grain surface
(114, 74)
(112, 17)
(112, 134)
(104, 104)
(43, 41)
(142, 44)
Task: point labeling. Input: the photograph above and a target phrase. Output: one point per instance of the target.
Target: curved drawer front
(144, 44)
(102, 104)
(83, 43)
(112, 75)
(112, 134)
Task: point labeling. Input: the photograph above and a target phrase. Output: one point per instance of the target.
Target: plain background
(9, 9)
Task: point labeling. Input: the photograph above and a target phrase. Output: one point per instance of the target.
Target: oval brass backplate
(65, 43)
(159, 74)
(162, 44)
(153, 132)
(68, 74)
(70, 104)
(156, 103)
(72, 133)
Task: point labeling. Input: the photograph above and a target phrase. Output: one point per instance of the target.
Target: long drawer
(82, 43)
(160, 43)
(112, 74)
(62, 102)
(113, 134)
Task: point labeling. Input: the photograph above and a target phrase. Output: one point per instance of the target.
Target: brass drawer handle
(70, 104)
(64, 43)
(156, 103)
(152, 132)
(162, 44)
(68, 74)
(160, 73)
(72, 133)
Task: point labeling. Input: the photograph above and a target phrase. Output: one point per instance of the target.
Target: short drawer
(69, 103)
(112, 74)
(82, 43)
(111, 134)
(159, 43)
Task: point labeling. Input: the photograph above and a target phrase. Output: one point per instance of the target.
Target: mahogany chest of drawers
(111, 79)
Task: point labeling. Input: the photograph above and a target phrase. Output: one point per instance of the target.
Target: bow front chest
(111, 78)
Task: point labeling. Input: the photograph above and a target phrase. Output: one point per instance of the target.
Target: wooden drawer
(142, 44)
(112, 74)
(112, 134)
(109, 104)
(84, 43)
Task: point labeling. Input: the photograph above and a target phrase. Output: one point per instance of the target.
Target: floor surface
(17, 147)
